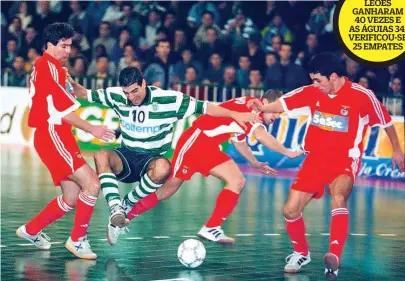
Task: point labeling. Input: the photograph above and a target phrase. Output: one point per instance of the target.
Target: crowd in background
(231, 45)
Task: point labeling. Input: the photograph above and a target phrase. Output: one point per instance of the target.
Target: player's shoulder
(360, 91)
(158, 92)
(42, 64)
(308, 89)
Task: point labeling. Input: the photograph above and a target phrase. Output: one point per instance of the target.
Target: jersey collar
(52, 59)
(147, 98)
(345, 86)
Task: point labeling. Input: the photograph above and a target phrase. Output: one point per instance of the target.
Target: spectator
(95, 12)
(197, 11)
(150, 31)
(285, 74)
(191, 76)
(79, 18)
(364, 82)
(179, 44)
(238, 29)
(256, 54)
(170, 23)
(15, 30)
(132, 21)
(352, 69)
(100, 51)
(105, 38)
(143, 8)
(211, 46)
(102, 78)
(128, 57)
(117, 51)
(31, 40)
(395, 102)
(255, 79)
(10, 54)
(310, 50)
(44, 16)
(113, 13)
(271, 59)
(275, 46)
(157, 73)
(79, 67)
(214, 73)
(179, 69)
(242, 74)
(276, 27)
(201, 35)
(32, 56)
(229, 88)
(81, 39)
(24, 15)
(16, 76)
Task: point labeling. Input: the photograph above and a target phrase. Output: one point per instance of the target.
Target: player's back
(44, 91)
(222, 128)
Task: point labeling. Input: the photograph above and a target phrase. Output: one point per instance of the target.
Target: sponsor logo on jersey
(139, 128)
(330, 122)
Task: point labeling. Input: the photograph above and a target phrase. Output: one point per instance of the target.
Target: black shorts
(134, 164)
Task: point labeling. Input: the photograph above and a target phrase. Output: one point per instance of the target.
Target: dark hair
(102, 57)
(162, 41)
(325, 64)
(130, 75)
(209, 12)
(57, 31)
(272, 95)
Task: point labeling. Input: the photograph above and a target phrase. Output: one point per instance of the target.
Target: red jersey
(221, 129)
(337, 123)
(50, 101)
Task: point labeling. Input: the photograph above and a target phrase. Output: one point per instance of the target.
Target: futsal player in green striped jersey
(147, 115)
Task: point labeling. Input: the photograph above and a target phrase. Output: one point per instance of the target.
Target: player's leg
(56, 209)
(87, 179)
(340, 190)
(226, 201)
(166, 191)
(295, 226)
(155, 174)
(108, 165)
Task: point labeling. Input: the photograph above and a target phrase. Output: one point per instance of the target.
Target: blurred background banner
(290, 131)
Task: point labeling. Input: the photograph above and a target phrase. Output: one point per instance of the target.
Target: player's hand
(68, 77)
(264, 168)
(293, 154)
(254, 104)
(102, 132)
(398, 158)
(245, 117)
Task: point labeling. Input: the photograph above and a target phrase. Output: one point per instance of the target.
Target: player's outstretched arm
(397, 153)
(240, 117)
(99, 131)
(272, 143)
(243, 148)
(79, 90)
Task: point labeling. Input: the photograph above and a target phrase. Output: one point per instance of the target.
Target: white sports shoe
(331, 263)
(41, 240)
(81, 248)
(295, 261)
(113, 232)
(215, 234)
(117, 216)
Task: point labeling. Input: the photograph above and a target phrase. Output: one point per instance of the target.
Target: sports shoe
(331, 263)
(295, 261)
(117, 216)
(113, 232)
(41, 240)
(215, 234)
(81, 248)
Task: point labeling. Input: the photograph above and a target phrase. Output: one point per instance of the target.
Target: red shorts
(57, 148)
(195, 152)
(319, 171)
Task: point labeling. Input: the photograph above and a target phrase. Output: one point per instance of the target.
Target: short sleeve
(298, 99)
(377, 113)
(189, 106)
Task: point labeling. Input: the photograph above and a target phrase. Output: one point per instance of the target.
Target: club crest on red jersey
(345, 110)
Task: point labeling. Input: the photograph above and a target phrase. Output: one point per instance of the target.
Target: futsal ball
(191, 253)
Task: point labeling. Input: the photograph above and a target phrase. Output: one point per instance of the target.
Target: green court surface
(375, 248)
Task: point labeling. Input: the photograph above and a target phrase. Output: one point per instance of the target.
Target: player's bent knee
(237, 183)
(159, 170)
(291, 212)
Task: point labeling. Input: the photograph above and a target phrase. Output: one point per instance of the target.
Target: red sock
(224, 206)
(339, 229)
(143, 205)
(84, 210)
(55, 209)
(296, 230)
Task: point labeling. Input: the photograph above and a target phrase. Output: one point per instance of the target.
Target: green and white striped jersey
(148, 127)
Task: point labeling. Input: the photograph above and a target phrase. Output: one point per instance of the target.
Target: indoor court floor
(375, 248)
